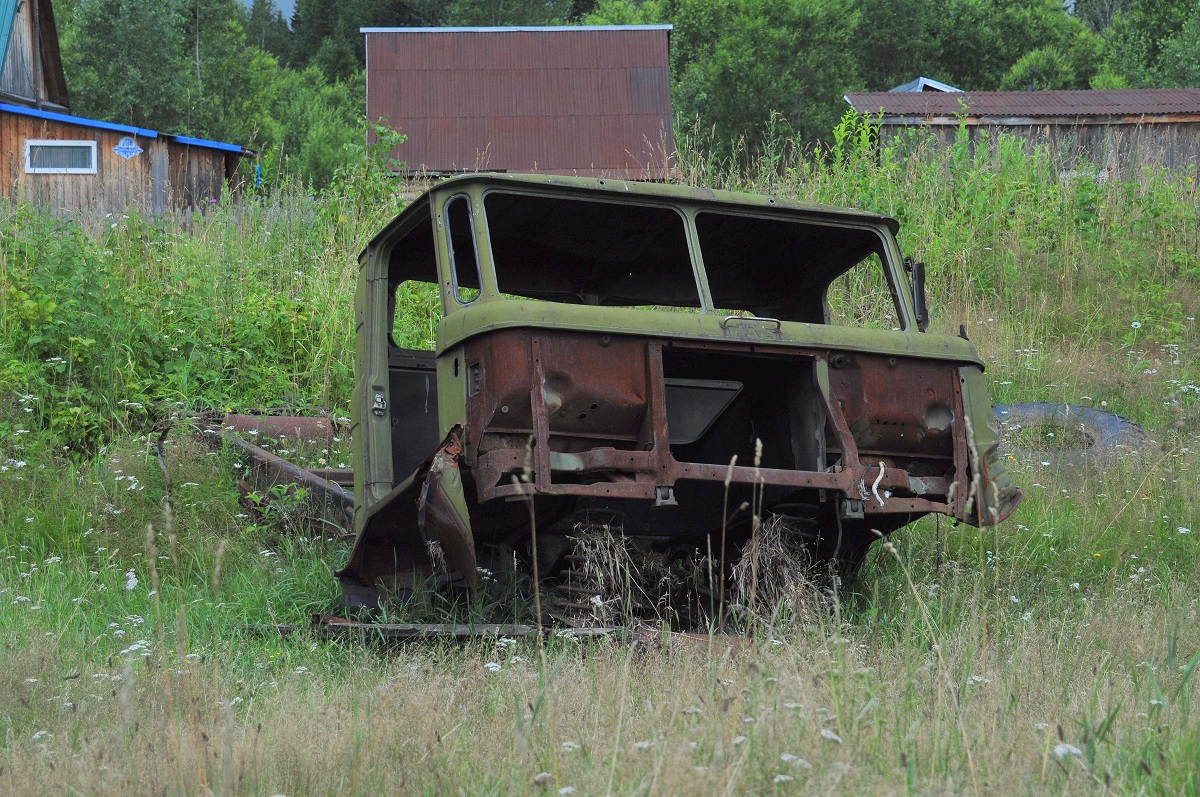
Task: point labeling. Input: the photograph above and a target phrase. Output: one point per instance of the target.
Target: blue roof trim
(137, 131)
(201, 142)
(77, 120)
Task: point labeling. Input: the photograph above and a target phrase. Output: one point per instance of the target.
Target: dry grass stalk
(774, 578)
(625, 583)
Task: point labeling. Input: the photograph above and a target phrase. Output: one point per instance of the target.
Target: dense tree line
(294, 89)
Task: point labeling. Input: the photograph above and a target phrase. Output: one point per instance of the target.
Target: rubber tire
(1111, 435)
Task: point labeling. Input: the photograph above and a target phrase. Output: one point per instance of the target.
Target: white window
(60, 157)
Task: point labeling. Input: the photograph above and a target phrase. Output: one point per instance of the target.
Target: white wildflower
(1064, 750)
(492, 666)
(782, 779)
(739, 740)
(131, 579)
(830, 735)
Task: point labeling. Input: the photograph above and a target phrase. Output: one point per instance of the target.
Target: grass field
(1053, 654)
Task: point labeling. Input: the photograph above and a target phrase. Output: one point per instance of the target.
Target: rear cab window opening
(588, 252)
(797, 270)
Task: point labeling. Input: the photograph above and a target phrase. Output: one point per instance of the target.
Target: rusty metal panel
(570, 100)
(1116, 102)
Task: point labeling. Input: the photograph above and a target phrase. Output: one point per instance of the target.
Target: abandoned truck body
(649, 353)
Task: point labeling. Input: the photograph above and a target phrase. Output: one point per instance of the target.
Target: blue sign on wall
(127, 148)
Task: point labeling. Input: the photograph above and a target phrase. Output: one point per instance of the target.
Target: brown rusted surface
(567, 100)
(596, 407)
(333, 501)
(337, 626)
(277, 427)
(429, 506)
(441, 508)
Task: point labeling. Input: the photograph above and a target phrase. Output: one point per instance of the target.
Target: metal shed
(1116, 130)
(592, 101)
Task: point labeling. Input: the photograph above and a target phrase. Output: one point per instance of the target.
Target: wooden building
(1113, 132)
(582, 100)
(87, 168)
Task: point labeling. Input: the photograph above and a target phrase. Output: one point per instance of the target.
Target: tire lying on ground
(1065, 434)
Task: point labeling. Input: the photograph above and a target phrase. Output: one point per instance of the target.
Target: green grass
(959, 663)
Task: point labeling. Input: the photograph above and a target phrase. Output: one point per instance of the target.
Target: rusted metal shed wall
(570, 100)
(167, 176)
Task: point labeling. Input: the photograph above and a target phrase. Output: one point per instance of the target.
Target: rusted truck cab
(667, 357)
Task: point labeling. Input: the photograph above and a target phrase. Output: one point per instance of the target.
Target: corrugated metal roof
(588, 100)
(535, 28)
(137, 131)
(1117, 102)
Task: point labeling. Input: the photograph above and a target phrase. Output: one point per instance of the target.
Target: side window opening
(414, 301)
(464, 259)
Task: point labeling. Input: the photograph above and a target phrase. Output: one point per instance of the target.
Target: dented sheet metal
(442, 510)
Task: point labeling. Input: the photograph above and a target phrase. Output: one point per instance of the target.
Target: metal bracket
(850, 508)
(379, 405)
(665, 496)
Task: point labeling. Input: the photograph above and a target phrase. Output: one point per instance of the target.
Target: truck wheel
(1065, 434)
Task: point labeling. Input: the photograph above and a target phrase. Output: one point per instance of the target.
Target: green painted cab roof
(603, 186)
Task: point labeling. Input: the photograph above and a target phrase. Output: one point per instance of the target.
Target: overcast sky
(286, 6)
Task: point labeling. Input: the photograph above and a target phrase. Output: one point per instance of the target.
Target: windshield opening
(784, 269)
(588, 252)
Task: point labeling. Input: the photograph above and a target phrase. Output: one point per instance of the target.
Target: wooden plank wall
(18, 75)
(1120, 150)
(165, 177)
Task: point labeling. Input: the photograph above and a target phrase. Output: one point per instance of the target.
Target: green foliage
(1039, 70)
(325, 32)
(896, 41)
(267, 30)
(310, 123)
(508, 12)
(111, 78)
(981, 42)
(1152, 43)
